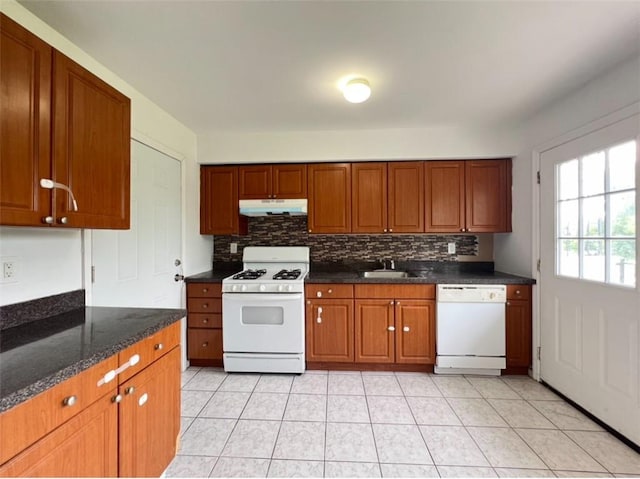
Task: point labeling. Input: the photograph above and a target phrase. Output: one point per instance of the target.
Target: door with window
(589, 297)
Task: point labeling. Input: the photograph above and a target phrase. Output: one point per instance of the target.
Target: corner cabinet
(219, 209)
(329, 189)
(51, 100)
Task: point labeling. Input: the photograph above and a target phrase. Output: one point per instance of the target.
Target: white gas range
(263, 311)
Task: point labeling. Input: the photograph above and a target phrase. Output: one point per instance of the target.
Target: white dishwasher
(470, 329)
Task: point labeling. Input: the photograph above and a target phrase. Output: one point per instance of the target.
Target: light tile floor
(382, 424)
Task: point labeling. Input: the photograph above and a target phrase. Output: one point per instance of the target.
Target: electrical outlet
(9, 270)
(233, 248)
(451, 248)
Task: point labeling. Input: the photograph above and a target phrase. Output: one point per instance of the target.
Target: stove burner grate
(287, 274)
(250, 274)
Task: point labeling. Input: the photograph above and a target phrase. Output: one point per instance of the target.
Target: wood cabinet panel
(25, 125)
(254, 182)
(374, 322)
(289, 181)
(369, 197)
(406, 197)
(149, 418)
(204, 290)
(329, 188)
(328, 291)
(486, 195)
(84, 446)
(518, 326)
(204, 305)
(204, 320)
(396, 291)
(519, 291)
(204, 343)
(219, 210)
(415, 332)
(444, 196)
(329, 330)
(91, 148)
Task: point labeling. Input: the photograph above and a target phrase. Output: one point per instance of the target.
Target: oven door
(269, 323)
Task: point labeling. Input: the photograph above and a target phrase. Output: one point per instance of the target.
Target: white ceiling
(274, 65)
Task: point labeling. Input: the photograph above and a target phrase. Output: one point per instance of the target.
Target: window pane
(622, 166)
(593, 174)
(568, 258)
(623, 214)
(622, 264)
(593, 216)
(568, 219)
(568, 180)
(593, 260)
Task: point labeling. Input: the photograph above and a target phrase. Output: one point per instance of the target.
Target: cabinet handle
(319, 320)
(384, 230)
(319, 294)
(275, 196)
(117, 398)
(130, 390)
(397, 303)
(205, 305)
(205, 320)
(205, 290)
(508, 303)
(330, 291)
(48, 220)
(391, 328)
(309, 231)
(63, 220)
(319, 309)
(390, 230)
(143, 399)
(69, 401)
(308, 302)
(158, 346)
(405, 329)
(205, 344)
(391, 303)
(517, 291)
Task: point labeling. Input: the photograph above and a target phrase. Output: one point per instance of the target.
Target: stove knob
(234, 287)
(280, 287)
(244, 287)
(263, 287)
(289, 288)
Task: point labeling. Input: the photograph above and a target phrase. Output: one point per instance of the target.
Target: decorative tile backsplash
(292, 231)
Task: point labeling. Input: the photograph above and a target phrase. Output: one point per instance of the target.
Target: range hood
(273, 207)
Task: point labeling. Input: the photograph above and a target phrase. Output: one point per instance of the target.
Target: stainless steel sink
(385, 273)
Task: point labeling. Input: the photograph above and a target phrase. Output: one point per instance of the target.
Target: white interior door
(589, 296)
(136, 267)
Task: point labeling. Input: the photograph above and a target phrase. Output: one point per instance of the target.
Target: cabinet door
(444, 196)
(518, 332)
(219, 211)
(91, 148)
(329, 187)
(25, 128)
(374, 330)
(254, 182)
(149, 418)
(486, 196)
(369, 197)
(289, 181)
(204, 343)
(329, 330)
(406, 197)
(415, 331)
(84, 446)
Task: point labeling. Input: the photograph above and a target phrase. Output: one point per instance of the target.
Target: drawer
(328, 291)
(395, 291)
(149, 350)
(204, 290)
(204, 305)
(204, 320)
(204, 344)
(518, 291)
(33, 419)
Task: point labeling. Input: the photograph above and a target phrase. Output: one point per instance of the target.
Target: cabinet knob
(205, 344)
(117, 398)
(397, 303)
(391, 328)
(63, 220)
(320, 310)
(205, 320)
(391, 303)
(205, 305)
(384, 230)
(319, 294)
(406, 329)
(517, 291)
(48, 220)
(390, 230)
(158, 346)
(508, 303)
(69, 401)
(130, 390)
(319, 320)
(309, 231)
(330, 291)
(275, 196)
(205, 290)
(308, 302)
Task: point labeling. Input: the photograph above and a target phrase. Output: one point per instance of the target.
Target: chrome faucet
(393, 264)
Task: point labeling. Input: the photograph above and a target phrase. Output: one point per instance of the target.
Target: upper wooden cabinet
(329, 188)
(219, 212)
(387, 197)
(468, 196)
(43, 91)
(272, 181)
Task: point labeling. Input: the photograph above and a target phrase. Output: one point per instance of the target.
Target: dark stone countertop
(420, 272)
(38, 355)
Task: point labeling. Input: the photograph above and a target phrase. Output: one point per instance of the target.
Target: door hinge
(538, 176)
(93, 274)
(539, 348)
(538, 266)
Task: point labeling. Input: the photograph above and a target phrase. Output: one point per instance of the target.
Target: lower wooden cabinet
(329, 330)
(518, 327)
(415, 331)
(204, 320)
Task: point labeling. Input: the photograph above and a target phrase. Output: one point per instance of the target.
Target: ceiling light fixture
(356, 90)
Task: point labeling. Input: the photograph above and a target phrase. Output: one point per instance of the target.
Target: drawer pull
(319, 294)
(391, 328)
(318, 320)
(205, 344)
(330, 291)
(205, 290)
(158, 346)
(69, 401)
(117, 398)
(406, 329)
(205, 305)
(517, 291)
(143, 399)
(205, 320)
(130, 390)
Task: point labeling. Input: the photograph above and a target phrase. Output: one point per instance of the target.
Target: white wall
(603, 95)
(61, 251)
